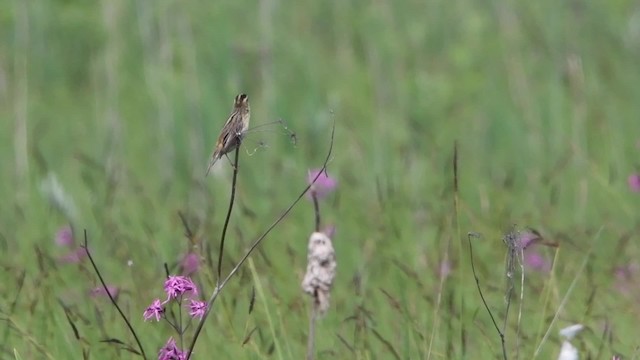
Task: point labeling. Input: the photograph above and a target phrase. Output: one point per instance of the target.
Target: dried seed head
(321, 270)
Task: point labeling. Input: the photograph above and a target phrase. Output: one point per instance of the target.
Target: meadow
(109, 111)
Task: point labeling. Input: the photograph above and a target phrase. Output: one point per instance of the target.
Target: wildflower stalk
(314, 307)
(316, 208)
(321, 260)
(113, 301)
(256, 243)
(521, 303)
(318, 281)
(462, 271)
(312, 332)
(446, 258)
(226, 220)
(512, 242)
(473, 269)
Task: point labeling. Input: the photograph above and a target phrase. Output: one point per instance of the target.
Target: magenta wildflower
(170, 351)
(634, 182)
(197, 309)
(190, 263)
(175, 286)
(535, 261)
(100, 291)
(323, 185)
(528, 237)
(155, 310)
(64, 236)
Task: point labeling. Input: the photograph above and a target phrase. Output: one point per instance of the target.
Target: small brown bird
(233, 130)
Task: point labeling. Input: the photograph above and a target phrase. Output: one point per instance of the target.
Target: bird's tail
(214, 158)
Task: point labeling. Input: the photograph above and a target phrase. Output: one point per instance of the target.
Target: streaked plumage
(233, 130)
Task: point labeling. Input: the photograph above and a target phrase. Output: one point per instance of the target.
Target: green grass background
(123, 100)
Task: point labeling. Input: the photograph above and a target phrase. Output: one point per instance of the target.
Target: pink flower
(175, 286)
(528, 237)
(634, 182)
(535, 261)
(197, 309)
(64, 236)
(323, 185)
(190, 263)
(526, 241)
(171, 352)
(155, 310)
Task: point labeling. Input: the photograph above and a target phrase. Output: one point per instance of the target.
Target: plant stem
(312, 331)
(226, 220)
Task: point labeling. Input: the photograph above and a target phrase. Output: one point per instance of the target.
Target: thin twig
(508, 297)
(113, 301)
(521, 259)
(473, 268)
(312, 331)
(255, 244)
(386, 343)
(512, 241)
(226, 220)
(316, 208)
(345, 343)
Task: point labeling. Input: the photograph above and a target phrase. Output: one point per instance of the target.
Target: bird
(233, 130)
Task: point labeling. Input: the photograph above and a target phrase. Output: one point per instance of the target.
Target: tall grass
(123, 100)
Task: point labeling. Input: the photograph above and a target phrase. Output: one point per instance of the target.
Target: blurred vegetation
(123, 101)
